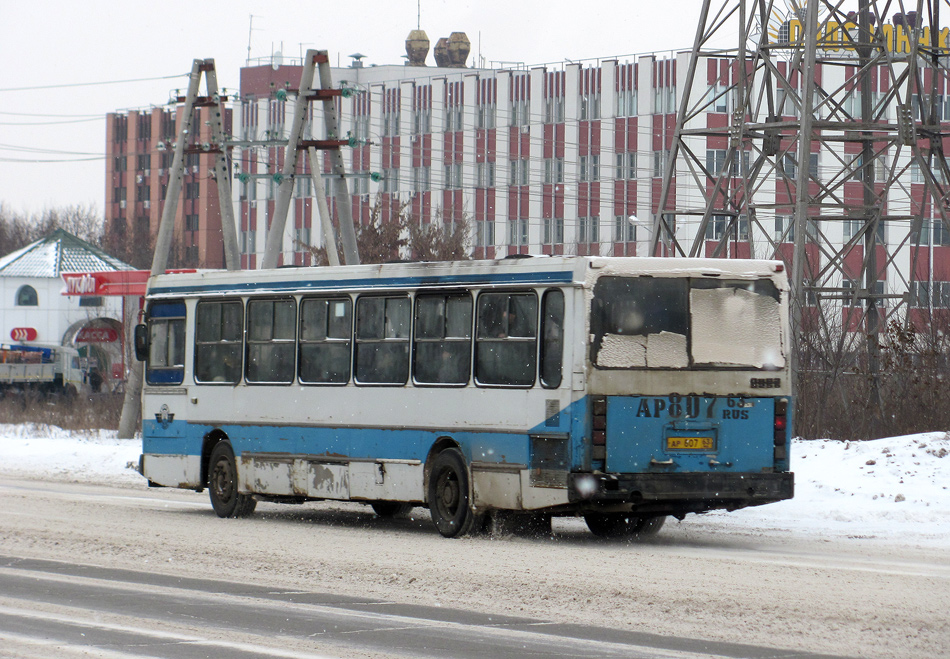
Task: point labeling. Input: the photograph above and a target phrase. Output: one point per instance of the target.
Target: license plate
(690, 444)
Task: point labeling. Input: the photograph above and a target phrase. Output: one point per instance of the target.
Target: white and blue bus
(624, 390)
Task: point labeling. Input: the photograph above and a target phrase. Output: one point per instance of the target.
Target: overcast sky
(56, 47)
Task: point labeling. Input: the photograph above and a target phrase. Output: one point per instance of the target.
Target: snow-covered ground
(895, 488)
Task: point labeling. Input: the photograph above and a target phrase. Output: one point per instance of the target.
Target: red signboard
(109, 282)
(23, 334)
(97, 335)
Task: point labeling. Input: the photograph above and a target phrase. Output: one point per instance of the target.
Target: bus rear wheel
(222, 484)
(448, 495)
(623, 525)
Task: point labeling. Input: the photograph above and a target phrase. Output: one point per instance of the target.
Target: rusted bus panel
(387, 481)
(271, 475)
(328, 481)
(182, 471)
(496, 486)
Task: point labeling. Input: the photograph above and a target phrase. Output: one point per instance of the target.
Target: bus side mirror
(141, 342)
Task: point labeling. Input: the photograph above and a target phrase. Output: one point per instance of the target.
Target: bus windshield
(648, 322)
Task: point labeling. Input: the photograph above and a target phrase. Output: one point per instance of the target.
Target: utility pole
(316, 61)
(132, 405)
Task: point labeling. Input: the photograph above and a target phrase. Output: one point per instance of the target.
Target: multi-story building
(139, 151)
(554, 159)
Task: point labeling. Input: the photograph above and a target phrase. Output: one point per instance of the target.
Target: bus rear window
(648, 322)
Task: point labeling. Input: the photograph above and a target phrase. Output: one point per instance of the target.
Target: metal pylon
(317, 61)
(132, 405)
(827, 154)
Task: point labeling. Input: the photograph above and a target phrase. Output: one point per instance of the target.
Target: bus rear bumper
(678, 494)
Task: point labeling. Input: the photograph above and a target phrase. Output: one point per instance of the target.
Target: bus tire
(390, 508)
(623, 525)
(449, 495)
(223, 485)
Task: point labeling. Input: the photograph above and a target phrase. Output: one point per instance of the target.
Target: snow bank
(895, 488)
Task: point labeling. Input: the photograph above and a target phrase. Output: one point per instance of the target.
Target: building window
(484, 175)
(485, 116)
(248, 241)
(26, 297)
(588, 229)
(484, 233)
(553, 231)
(659, 163)
(390, 180)
(119, 163)
(421, 122)
(718, 224)
(518, 232)
(518, 171)
(519, 113)
(554, 110)
(590, 106)
(420, 179)
(626, 166)
(554, 170)
(144, 162)
(453, 176)
(303, 184)
(627, 103)
(191, 222)
(589, 168)
(301, 238)
(192, 190)
(625, 231)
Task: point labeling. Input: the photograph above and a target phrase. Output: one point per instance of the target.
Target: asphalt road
(120, 572)
(51, 608)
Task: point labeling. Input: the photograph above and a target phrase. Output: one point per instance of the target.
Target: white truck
(48, 369)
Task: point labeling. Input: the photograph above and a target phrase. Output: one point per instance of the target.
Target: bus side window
(506, 339)
(166, 344)
(219, 333)
(552, 338)
(442, 347)
(382, 340)
(325, 326)
(271, 336)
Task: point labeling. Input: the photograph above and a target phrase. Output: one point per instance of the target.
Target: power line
(38, 114)
(52, 161)
(91, 84)
(50, 123)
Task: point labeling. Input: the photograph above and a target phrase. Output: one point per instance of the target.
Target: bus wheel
(222, 484)
(448, 494)
(623, 525)
(390, 508)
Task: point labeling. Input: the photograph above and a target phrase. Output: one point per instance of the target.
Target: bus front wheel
(448, 494)
(623, 525)
(223, 486)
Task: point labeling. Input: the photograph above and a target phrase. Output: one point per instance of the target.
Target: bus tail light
(599, 421)
(781, 429)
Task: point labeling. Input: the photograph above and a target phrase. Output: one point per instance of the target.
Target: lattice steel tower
(829, 155)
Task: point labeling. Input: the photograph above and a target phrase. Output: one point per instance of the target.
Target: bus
(621, 389)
